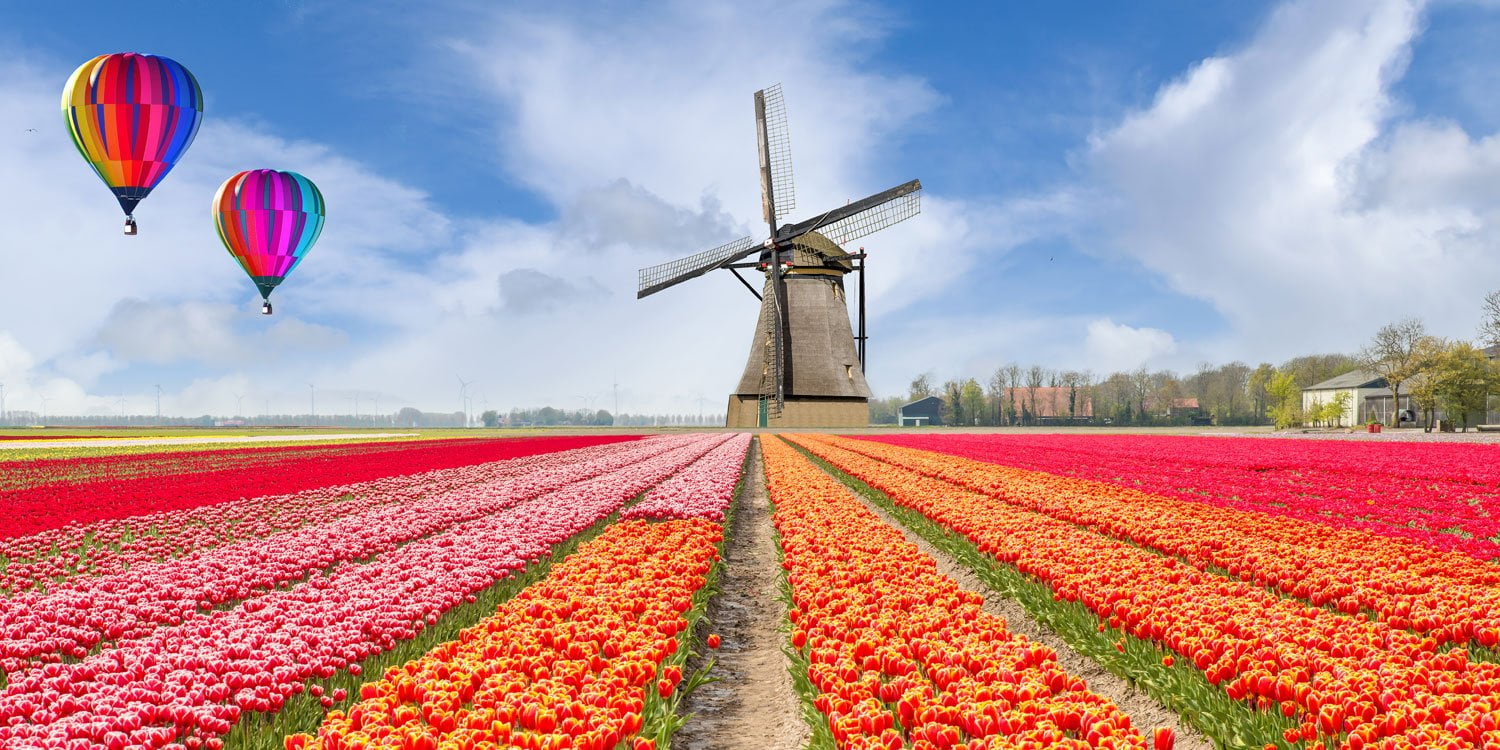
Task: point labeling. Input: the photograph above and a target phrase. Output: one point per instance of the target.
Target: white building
(1369, 396)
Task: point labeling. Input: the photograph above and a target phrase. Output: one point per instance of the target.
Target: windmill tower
(806, 366)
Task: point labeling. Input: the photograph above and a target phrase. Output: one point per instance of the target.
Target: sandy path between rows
(1144, 711)
(753, 705)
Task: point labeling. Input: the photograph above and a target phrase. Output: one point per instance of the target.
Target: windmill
(804, 368)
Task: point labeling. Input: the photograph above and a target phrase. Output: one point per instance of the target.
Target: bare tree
(1489, 327)
(1013, 375)
(921, 386)
(1035, 377)
(998, 383)
(1394, 354)
(1140, 386)
(1070, 380)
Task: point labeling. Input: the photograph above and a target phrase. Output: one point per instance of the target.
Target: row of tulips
(898, 654)
(1347, 679)
(575, 661)
(104, 458)
(188, 684)
(112, 546)
(91, 612)
(48, 506)
(1448, 595)
(705, 490)
(1435, 494)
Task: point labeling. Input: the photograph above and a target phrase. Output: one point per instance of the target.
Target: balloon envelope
(268, 220)
(132, 116)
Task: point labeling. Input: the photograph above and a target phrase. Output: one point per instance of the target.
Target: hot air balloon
(268, 221)
(132, 116)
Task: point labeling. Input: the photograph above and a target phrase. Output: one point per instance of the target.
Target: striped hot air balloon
(132, 117)
(268, 220)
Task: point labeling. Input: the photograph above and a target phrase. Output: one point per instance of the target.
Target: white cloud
(1284, 184)
(1112, 346)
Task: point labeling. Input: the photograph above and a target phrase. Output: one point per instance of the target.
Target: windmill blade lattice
(656, 278)
(779, 144)
(872, 220)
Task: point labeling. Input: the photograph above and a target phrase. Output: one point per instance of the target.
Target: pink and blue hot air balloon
(268, 220)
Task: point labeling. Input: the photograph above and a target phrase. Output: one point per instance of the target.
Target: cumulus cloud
(1283, 183)
(1114, 346)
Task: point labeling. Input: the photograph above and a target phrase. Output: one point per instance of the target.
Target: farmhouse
(923, 411)
(1369, 396)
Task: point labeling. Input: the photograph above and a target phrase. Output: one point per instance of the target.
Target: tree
(998, 386)
(972, 397)
(1257, 384)
(921, 387)
(883, 410)
(1393, 355)
(1284, 395)
(1035, 377)
(1430, 354)
(1140, 390)
(1012, 376)
(408, 417)
(1338, 407)
(1311, 369)
(490, 418)
(953, 403)
(1464, 378)
(603, 418)
(1489, 327)
(1071, 380)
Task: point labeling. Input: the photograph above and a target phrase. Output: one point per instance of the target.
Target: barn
(922, 412)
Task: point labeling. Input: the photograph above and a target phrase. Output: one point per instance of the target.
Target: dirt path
(1144, 711)
(753, 705)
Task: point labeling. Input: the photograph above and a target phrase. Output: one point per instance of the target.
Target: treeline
(1230, 394)
(1429, 374)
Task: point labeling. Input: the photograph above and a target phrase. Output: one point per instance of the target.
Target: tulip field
(558, 593)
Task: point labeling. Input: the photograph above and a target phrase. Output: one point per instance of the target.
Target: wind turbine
(158, 404)
(312, 404)
(239, 404)
(463, 396)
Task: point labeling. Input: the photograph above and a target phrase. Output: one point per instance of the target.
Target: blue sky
(1108, 185)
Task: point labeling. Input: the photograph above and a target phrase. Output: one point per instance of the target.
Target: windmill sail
(863, 217)
(656, 278)
(778, 190)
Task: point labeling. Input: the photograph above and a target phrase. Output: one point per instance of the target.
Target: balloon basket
(129, 226)
(265, 307)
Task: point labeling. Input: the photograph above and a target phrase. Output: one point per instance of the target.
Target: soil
(753, 705)
(1144, 711)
